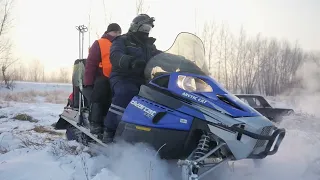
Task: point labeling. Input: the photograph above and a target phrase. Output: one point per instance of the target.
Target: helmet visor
(145, 28)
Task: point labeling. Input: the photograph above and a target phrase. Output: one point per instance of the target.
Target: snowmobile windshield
(187, 54)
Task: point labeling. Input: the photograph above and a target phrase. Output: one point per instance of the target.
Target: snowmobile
(187, 116)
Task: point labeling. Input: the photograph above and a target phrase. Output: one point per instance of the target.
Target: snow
(20, 86)
(29, 155)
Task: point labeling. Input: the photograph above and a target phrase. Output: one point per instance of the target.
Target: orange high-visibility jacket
(105, 63)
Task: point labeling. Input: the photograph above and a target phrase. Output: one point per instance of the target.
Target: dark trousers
(99, 98)
(123, 91)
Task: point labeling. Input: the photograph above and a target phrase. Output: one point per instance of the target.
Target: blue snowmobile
(187, 116)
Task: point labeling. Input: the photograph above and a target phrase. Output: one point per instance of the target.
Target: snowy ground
(33, 150)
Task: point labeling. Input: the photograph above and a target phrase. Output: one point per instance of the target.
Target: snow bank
(27, 153)
(20, 86)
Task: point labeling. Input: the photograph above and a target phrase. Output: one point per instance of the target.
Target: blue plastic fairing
(141, 111)
(219, 99)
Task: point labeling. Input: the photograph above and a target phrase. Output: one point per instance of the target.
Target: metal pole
(82, 29)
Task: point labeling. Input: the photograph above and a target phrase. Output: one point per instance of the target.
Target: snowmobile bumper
(274, 139)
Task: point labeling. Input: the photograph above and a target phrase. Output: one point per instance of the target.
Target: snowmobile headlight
(193, 84)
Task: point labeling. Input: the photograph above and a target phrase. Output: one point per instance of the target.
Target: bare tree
(254, 64)
(140, 7)
(53, 77)
(208, 36)
(64, 75)
(6, 59)
(107, 15)
(6, 76)
(21, 72)
(36, 71)
(107, 20)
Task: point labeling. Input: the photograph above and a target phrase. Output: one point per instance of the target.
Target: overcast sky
(45, 29)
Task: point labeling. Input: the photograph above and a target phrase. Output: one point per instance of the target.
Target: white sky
(45, 29)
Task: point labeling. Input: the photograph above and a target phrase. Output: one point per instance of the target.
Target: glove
(138, 64)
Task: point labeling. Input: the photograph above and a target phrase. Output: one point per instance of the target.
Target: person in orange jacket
(96, 87)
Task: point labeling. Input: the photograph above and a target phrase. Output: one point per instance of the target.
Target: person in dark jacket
(128, 55)
(96, 78)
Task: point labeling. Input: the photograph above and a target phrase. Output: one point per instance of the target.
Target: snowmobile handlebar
(276, 137)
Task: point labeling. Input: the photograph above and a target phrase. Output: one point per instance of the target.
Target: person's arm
(155, 51)
(118, 57)
(92, 64)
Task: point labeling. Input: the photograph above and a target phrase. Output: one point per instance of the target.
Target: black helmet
(142, 23)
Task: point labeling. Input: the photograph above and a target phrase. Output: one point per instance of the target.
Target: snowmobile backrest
(78, 72)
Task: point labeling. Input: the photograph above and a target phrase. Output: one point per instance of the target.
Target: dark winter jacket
(92, 69)
(126, 50)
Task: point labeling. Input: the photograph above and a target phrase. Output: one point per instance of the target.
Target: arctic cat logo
(147, 111)
(194, 97)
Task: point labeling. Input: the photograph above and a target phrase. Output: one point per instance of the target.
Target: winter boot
(96, 120)
(108, 136)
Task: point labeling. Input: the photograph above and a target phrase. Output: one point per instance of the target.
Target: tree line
(242, 63)
(254, 64)
(36, 72)
(12, 69)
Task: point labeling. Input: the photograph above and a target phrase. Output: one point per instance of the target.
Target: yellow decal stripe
(143, 128)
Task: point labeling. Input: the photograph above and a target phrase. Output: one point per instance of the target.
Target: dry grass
(61, 148)
(35, 143)
(54, 96)
(25, 117)
(3, 116)
(43, 129)
(3, 150)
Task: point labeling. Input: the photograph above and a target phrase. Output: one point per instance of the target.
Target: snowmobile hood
(231, 104)
(213, 96)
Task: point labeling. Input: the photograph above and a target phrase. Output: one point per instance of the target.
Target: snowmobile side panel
(141, 111)
(172, 144)
(185, 106)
